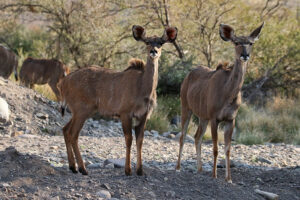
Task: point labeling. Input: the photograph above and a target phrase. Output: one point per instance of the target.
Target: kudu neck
(236, 79)
(150, 76)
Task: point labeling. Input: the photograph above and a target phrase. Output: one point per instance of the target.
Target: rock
(166, 134)
(170, 194)
(4, 111)
(171, 136)
(267, 195)
(221, 164)
(54, 147)
(110, 166)
(28, 136)
(155, 133)
(5, 185)
(106, 186)
(41, 115)
(147, 133)
(263, 160)
(17, 133)
(189, 138)
(104, 194)
(118, 163)
(152, 194)
(176, 120)
(207, 167)
(94, 165)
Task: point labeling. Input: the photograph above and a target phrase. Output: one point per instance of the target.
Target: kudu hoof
(83, 171)
(140, 172)
(128, 172)
(73, 169)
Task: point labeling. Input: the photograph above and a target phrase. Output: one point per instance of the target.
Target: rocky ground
(33, 161)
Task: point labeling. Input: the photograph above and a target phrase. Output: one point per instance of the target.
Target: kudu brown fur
(43, 71)
(127, 94)
(215, 96)
(8, 63)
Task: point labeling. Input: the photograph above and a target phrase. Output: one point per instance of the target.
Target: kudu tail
(63, 103)
(16, 69)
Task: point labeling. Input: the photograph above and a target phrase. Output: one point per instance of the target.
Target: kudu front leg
(127, 126)
(214, 134)
(229, 126)
(139, 134)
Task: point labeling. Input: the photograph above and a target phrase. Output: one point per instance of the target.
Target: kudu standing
(215, 96)
(43, 71)
(8, 63)
(127, 94)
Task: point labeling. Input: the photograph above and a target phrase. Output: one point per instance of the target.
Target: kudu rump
(215, 96)
(8, 63)
(127, 94)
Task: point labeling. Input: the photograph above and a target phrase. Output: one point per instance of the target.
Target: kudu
(43, 71)
(127, 94)
(215, 96)
(8, 63)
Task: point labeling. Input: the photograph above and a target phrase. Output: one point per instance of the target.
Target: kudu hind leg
(229, 126)
(198, 141)
(214, 134)
(75, 130)
(139, 134)
(67, 136)
(127, 129)
(185, 119)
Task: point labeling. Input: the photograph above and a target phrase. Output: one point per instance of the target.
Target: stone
(147, 133)
(105, 186)
(94, 165)
(263, 160)
(171, 136)
(104, 194)
(28, 136)
(221, 164)
(170, 194)
(166, 134)
(54, 147)
(110, 166)
(176, 120)
(118, 163)
(155, 133)
(4, 111)
(41, 116)
(17, 133)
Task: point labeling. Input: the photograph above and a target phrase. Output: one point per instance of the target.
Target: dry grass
(278, 122)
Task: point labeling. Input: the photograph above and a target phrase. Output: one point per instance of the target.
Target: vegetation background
(85, 32)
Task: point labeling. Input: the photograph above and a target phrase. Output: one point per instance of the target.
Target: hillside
(33, 162)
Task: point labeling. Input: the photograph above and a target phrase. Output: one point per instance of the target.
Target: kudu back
(43, 71)
(215, 96)
(127, 94)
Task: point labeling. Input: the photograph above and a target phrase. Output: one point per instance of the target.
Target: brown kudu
(8, 63)
(43, 71)
(127, 94)
(215, 96)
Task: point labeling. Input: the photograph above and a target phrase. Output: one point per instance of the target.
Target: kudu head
(154, 43)
(243, 44)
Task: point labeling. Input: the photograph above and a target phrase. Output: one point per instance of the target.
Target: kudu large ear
(138, 32)
(256, 33)
(170, 34)
(226, 32)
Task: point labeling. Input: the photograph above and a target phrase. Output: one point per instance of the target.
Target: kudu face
(154, 43)
(243, 44)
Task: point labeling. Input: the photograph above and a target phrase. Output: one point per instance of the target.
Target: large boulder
(4, 110)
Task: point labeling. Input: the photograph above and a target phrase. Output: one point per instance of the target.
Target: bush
(279, 121)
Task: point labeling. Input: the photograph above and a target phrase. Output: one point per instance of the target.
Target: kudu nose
(153, 51)
(245, 57)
